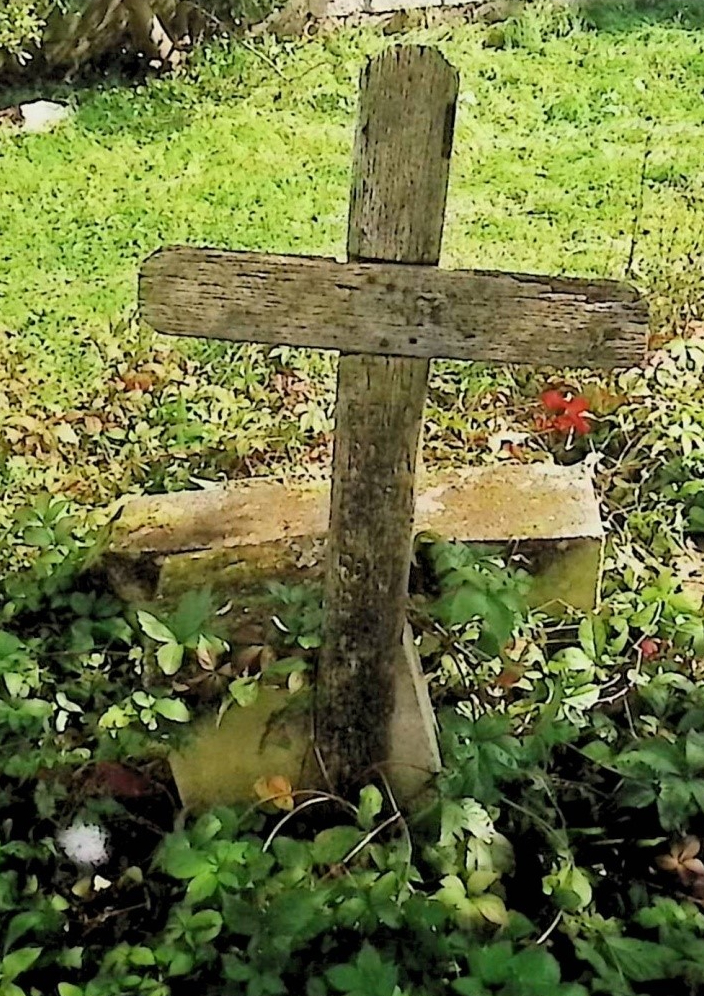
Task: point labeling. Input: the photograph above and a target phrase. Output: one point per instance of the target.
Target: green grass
(549, 149)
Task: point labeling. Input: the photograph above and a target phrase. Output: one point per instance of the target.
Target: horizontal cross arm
(393, 309)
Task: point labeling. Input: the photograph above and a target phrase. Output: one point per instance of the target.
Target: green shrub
(21, 25)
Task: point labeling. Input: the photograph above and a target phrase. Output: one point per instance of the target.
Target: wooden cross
(388, 310)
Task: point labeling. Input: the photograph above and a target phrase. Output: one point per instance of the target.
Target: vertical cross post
(399, 187)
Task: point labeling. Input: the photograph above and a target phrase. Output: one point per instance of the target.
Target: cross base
(222, 763)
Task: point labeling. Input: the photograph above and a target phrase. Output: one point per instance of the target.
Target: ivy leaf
(142, 956)
(9, 645)
(155, 628)
(491, 908)
(469, 987)
(465, 816)
(38, 536)
(694, 751)
(491, 963)
(236, 969)
(642, 961)
(71, 957)
(452, 893)
(292, 853)
(592, 636)
(169, 657)
(181, 963)
(16, 962)
(535, 971)
(635, 795)
(344, 978)
(240, 916)
(331, 846)
(20, 925)
(184, 863)
(370, 804)
(205, 925)
(368, 975)
(286, 667)
(661, 757)
(291, 914)
(202, 886)
(192, 614)
(569, 886)
(479, 881)
(244, 691)
(674, 802)
(172, 709)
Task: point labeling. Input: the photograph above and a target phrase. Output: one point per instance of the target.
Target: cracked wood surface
(394, 309)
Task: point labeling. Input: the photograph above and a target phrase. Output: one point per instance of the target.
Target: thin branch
(639, 202)
(544, 936)
(265, 58)
(284, 820)
(370, 836)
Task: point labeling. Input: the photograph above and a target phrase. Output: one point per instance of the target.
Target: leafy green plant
(21, 23)
(477, 592)
(187, 628)
(299, 616)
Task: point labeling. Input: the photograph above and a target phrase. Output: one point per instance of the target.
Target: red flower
(570, 412)
(553, 400)
(649, 648)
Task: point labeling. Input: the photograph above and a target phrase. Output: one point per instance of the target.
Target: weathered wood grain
(399, 187)
(394, 309)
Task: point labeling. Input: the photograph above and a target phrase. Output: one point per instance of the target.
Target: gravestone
(239, 538)
(389, 310)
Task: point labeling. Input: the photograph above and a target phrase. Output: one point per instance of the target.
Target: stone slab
(236, 538)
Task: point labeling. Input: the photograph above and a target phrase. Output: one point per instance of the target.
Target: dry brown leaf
(66, 434)
(277, 790)
(247, 657)
(92, 425)
(683, 861)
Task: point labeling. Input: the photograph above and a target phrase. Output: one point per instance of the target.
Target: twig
(322, 796)
(310, 69)
(370, 836)
(404, 823)
(323, 768)
(284, 820)
(629, 718)
(265, 58)
(639, 203)
(546, 933)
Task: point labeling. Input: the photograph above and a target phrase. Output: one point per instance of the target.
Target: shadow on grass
(624, 15)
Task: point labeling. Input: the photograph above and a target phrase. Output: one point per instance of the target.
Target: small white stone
(43, 115)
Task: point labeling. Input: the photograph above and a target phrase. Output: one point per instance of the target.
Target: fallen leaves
(684, 862)
(276, 790)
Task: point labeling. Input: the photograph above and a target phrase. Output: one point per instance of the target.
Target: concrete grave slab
(239, 537)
